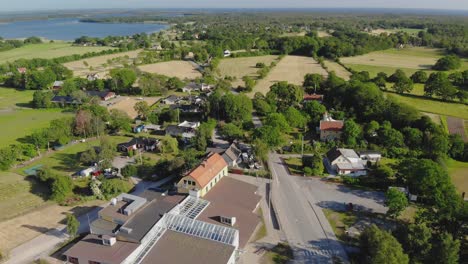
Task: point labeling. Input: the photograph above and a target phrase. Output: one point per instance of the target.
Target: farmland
(459, 173)
(127, 104)
(180, 69)
(291, 69)
(339, 70)
(17, 120)
(46, 51)
(101, 64)
(240, 67)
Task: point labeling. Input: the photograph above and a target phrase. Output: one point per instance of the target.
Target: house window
(93, 262)
(73, 260)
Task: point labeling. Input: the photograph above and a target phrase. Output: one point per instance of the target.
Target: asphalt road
(303, 222)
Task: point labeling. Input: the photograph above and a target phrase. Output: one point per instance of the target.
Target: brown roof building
(330, 129)
(201, 180)
(313, 97)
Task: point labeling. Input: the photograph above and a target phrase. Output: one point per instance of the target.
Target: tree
(435, 82)
(351, 132)
(416, 241)
(169, 145)
(260, 149)
(40, 79)
(270, 135)
(120, 120)
(419, 77)
(315, 111)
(278, 120)
(122, 80)
(42, 99)
(447, 63)
(295, 118)
(446, 251)
(113, 187)
(380, 247)
(142, 108)
(396, 202)
(457, 147)
(397, 75)
(72, 225)
(107, 153)
(381, 79)
(89, 156)
(284, 95)
(232, 132)
(62, 187)
(236, 108)
(403, 85)
(313, 82)
(249, 83)
(175, 83)
(83, 122)
(68, 87)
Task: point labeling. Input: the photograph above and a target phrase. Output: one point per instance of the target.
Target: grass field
(291, 69)
(244, 66)
(65, 162)
(339, 70)
(46, 51)
(459, 173)
(411, 31)
(127, 104)
(433, 106)
(101, 64)
(180, 69)
(17, 120)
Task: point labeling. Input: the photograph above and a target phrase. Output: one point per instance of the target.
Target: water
(72, 28)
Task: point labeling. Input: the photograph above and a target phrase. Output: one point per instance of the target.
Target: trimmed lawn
(279, 254)
(46, 51)
(340, 221)
(433, 106)
(12, 98)
(19, 195)
(458, 171)
(294, 166)
(65, 161)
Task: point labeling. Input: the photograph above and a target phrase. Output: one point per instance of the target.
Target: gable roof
(335, 125)
(313, 97)
(334, 153)
(209, 168)
(232, 153)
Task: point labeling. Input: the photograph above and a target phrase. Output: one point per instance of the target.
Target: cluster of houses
(209, 217)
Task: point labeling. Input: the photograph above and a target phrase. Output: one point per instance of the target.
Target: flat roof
(233, 198)
(148, 216)
(115, 211)
(175, 247)
(91, 248)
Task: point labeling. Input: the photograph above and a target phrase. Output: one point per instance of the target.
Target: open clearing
(179, 69)
(291, 69)
(46, 51)
(411, 31)
(126, 104)
(339, 70)
(459, 173)
(101, 64)
(244, 66)
(433, 106)
(17, 119)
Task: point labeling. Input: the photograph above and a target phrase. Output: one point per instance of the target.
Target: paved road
(44, 244)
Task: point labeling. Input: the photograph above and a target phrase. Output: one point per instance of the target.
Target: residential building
(330, 129)
(201, 180)
(312, 97)
(370, 155)
(148, 144)
(170, 100)
(57, 85)
(232, 154)
(103, 95)
(92, 77)
(346, 162)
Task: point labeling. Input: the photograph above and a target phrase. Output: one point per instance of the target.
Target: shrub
(308, 171)
(351, 180)
(129, 171)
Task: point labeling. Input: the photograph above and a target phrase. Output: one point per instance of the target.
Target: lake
(72, 28)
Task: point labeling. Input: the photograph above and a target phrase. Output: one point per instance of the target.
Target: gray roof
(175, 247)
(136, 202)
(334, 153)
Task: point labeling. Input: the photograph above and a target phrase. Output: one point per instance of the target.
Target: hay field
(126, 104)
(244, 66)
(339, 70)
(101, 64)
(291, 69)
(179, 69)
(412, 58)
(46, 51)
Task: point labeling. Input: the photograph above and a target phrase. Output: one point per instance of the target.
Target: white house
(346, 162)
(227, 53)
(370, 155)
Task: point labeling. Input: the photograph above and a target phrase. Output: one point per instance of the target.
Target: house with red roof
(312, 97)
(203, 178)
(330, 129)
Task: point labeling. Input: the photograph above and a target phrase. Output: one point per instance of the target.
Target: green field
(459, 173)
(65, 162)
(46, 51)
(433, 106)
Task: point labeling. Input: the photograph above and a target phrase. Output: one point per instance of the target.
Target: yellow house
(204, 177)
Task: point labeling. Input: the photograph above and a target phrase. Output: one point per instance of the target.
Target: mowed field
(101, 64)
(46, 51)
(244, 66)
(17, 120)
(291, 69)
(179, 69)
(127, 104)
(459, 173)
(339, 70)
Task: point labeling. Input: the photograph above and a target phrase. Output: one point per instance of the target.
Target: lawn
(243, 66)
(46, 51)
(12, 98)
(19, 194)
(294, 165)
(291, 69)
(340, 222)
(65, 161)
(459, 173)
(433, 106)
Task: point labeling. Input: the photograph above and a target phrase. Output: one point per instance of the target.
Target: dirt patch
(339, 70)
(434, 117)
(291, 69)
(457, 126)
(391, 60)
(126, 104)
(101, 64)
(179, 69)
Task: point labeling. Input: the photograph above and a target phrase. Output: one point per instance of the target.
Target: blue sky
(9, 5)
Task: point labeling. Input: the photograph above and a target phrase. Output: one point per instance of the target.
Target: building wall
(329, 135)
(201, 191)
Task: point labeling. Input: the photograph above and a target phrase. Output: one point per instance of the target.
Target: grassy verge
(294, 165)
(340, 222)
(262, 231)
(280, 254)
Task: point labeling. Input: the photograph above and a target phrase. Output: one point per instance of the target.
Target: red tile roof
(209, 168)
(313, 97)
(331, 125)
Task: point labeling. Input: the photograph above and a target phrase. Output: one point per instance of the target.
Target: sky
(28, 5)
